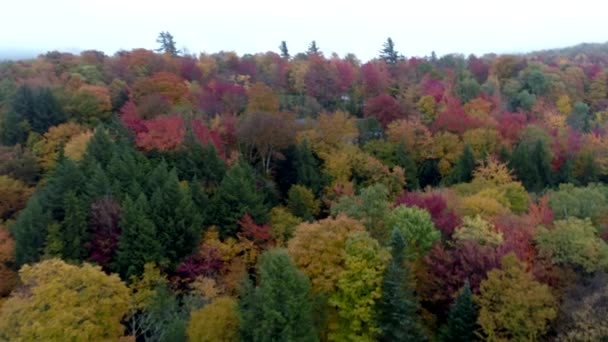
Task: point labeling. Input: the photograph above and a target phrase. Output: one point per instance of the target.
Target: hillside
(151, 195)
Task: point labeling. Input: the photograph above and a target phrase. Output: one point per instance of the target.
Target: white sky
(250, 26)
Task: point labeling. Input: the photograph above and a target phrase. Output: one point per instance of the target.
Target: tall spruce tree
(167, 44)
(313, 49)
(236, 196)
(462, 318)
(284, 50)
(532, 166)
(405, 161)
(74, 228)
(279, 308)
(138, 243)
(463, 170)
(388, 52)
(398, 318)
(307, 168)
(30, 232)
(39, 107)
(178, 223)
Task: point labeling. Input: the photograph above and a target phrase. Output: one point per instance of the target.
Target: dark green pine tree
(179, 225)
(12, 130)
(540, 156)
(30, 232)
(405, 161)
(74, 228)
(565, 173)
(532, 168)
(462, 318)
(280, 308)
(126, 173)
(313, 49)
(589, 170)
(284, 50)
(388, 52)
(398, 318)
(100, 148)
(39, 107)
(307, 168)
(138, 243)
(67, 176)
(98, 184)
(463, 170)
(167, 44)
(197, 161)
(236, 196)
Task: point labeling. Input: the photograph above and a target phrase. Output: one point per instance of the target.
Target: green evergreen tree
(398, 306)
(405, 161)
(200, 162)
(138, 243)
(67, 176)
(589, 170)
(74, 228)
(30, 232)
(236, 196)
(179, 225)
(313, 49)
(279, 308)
(522, 166)
(463, 170)
(307, 168)
(565, 173)
(53, 246)
(12, 130)
(540, 156)
(388, 52)
(462, 318)
(39, 107)
(284, 50)
(100, 148)
(167, 44)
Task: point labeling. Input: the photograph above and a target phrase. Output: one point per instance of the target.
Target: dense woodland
(158, 196)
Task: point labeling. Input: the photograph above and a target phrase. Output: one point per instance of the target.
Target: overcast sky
(250, 26)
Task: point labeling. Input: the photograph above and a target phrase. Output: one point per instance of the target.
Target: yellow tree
(262, 99)
(8, 277)
(47, 150)
(512, 305)
(446, 147)
(318, 250)
(215, 322)
(414, 135)
(62, 302)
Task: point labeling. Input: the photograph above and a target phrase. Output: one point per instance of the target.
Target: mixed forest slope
(156, 196)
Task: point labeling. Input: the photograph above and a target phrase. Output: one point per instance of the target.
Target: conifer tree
(463, 170)
(398, 306)
(279, 308)
(462, 318)
(307, 168)
(313, 50)
(74, 228)
(284, 50)
(39, 107)
(388, 52)
(405, 161)
(178, 223)
(138, 243)
(236, 196)
(30, 232)
(167, 44)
